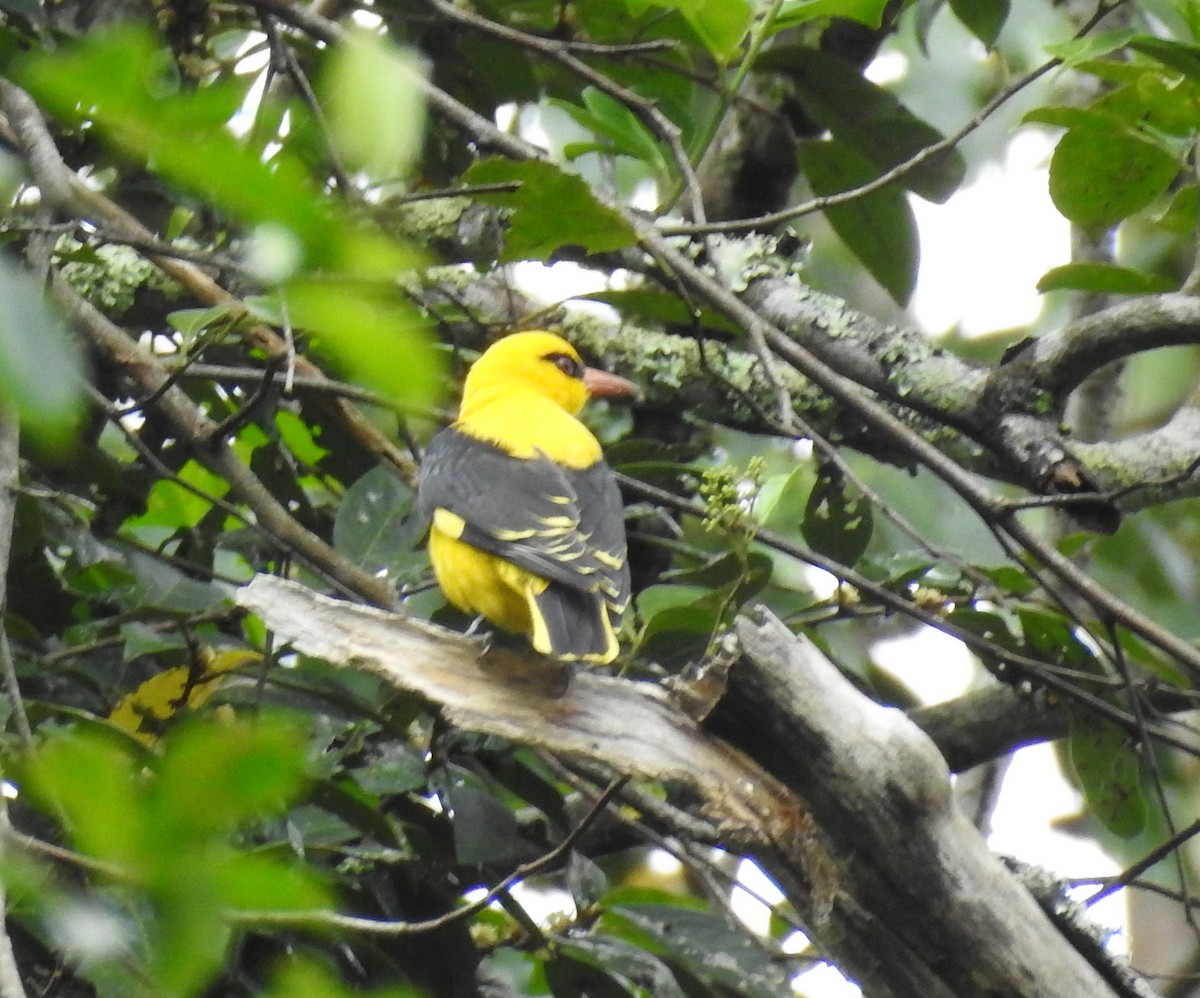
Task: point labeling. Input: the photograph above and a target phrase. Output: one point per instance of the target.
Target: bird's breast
(527, 427)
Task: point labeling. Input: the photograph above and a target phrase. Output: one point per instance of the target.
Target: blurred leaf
(371, 335)
(983, 18)
(585, 880)
(1108, 772)
(867, 120)
(41, 368)
(374, 106)
(302, 975)
(879, 228)
(1104, 278)
(1101, 174)
(793, 12)
(837, 524)
(88, 781)
(374, 334)
(721, 24)
(142, 111)
(551, 209)
(1180, 56)
(213, 777)
(1093, 46)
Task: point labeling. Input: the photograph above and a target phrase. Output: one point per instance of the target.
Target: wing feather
(561, 524)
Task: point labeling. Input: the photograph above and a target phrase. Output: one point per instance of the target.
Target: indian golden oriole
(527, 527)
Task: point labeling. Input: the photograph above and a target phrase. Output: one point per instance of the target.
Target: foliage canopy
(250, 247)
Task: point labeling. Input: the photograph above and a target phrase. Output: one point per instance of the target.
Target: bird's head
(544, 363)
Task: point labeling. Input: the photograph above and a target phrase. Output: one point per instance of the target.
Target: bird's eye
(567, 364)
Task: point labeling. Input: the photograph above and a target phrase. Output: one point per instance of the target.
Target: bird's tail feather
(576, 625)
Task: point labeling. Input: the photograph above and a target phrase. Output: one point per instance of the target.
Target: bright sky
(983, 251)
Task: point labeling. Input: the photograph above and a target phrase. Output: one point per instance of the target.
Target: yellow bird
(527, 527)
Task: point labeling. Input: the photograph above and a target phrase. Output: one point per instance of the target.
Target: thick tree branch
(894, 883)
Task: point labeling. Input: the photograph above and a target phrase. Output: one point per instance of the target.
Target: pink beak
(604, 385)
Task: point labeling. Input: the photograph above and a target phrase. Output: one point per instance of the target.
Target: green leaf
(142, 111)
(551, 209)
(370, 334)
(1101, 174)
(1105, 278)
(340, 276)
(793, 12)
(709, 947)
(616, 963)
(721, 25)
(1080, 50)
(376, 525)
(88, 781)
(837, 524)
(214, 777)
(193, 321)
(866, 118)
(983, 18)
(1108, 772)
(381, 136)
(485, 831)
(1180, 56)
(880, 228)
(41, 368)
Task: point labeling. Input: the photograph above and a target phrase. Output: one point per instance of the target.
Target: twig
(9, 481)
(897, 172)
(1154, 856)
(645, 110)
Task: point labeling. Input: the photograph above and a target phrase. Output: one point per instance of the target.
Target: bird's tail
(573, 626)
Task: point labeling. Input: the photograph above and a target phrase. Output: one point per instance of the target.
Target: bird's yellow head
(540, 362)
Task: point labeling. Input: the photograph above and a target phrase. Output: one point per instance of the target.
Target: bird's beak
(604, 385)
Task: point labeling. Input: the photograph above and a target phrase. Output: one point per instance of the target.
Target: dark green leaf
(628, 967)
(709, 947)
(983, 18)
(1108, 772)
(880, 228)
(1180, 56)
(1106, 278)
(551, 209)
(836, 524)
(866, 119)
(485, 830)
(376, 525)
(794, 12)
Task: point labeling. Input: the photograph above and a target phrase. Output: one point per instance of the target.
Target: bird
(526, 521)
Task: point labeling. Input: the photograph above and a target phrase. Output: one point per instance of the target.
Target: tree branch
(847, 802)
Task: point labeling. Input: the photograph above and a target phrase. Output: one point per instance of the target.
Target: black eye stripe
(566, 363)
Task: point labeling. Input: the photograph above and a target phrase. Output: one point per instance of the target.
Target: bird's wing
(563, 525)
